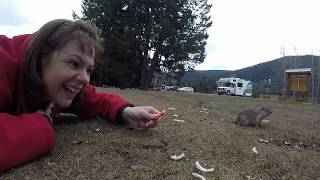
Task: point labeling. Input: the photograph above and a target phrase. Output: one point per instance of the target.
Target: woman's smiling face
(66, 73)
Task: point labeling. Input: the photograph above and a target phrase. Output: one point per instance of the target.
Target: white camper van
(234, 86)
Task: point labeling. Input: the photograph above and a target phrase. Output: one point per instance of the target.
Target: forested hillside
(205, 81)
(273, 70)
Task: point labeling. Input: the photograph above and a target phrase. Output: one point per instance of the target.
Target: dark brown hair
(53, 36)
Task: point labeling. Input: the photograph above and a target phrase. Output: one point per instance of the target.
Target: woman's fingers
(151, 124)
(152, 110)
(145, 117)
(159, 115)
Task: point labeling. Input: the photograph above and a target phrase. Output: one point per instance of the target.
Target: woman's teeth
(72, 90)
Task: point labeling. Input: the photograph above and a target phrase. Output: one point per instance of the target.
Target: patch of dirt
(288, 145)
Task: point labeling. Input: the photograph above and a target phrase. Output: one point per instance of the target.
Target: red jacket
(23, 135)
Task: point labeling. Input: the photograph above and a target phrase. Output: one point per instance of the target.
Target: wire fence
(267, 88)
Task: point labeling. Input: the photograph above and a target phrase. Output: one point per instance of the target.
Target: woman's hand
(141, 116)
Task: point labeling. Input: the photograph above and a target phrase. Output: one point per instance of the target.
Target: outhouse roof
(299, 70)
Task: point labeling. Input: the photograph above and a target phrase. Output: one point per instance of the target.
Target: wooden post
(288, 90)
(317, 91)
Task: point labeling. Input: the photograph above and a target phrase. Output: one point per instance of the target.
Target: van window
(239, 84)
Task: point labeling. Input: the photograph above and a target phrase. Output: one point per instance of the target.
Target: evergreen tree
(148, 36)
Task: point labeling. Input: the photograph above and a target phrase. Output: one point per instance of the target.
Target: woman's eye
(74, 64)
(89, 71)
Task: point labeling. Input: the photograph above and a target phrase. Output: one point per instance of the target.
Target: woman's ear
(47, 59)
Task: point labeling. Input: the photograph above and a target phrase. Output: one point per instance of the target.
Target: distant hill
(211, 74)
(273, 70)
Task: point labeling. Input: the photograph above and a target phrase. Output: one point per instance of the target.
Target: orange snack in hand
(159, 115)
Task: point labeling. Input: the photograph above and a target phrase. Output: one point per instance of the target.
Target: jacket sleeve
(105, 105)
(23, 138)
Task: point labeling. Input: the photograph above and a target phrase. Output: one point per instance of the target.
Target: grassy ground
(94, 149)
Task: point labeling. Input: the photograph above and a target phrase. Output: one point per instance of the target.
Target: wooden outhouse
(298, 83)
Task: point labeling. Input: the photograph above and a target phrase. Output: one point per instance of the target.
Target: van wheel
(228, 93)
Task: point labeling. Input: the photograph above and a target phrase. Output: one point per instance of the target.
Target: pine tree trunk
(143, 73)
(151, 70)
(145, 61)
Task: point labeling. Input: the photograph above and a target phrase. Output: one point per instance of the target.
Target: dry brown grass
(211, 138)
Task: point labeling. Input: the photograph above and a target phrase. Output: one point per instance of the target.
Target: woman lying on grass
(47, 73)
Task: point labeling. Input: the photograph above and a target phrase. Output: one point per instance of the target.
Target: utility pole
(283, 53)
(295, 50)
(317, 92)
(312, 71)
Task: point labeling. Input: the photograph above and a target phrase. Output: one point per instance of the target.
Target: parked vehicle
(186, 89)
(168, 88)
(234, 86)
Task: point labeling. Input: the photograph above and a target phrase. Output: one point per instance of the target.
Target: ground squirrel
(250, 117)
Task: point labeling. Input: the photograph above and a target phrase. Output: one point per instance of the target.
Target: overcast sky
(244, 32)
